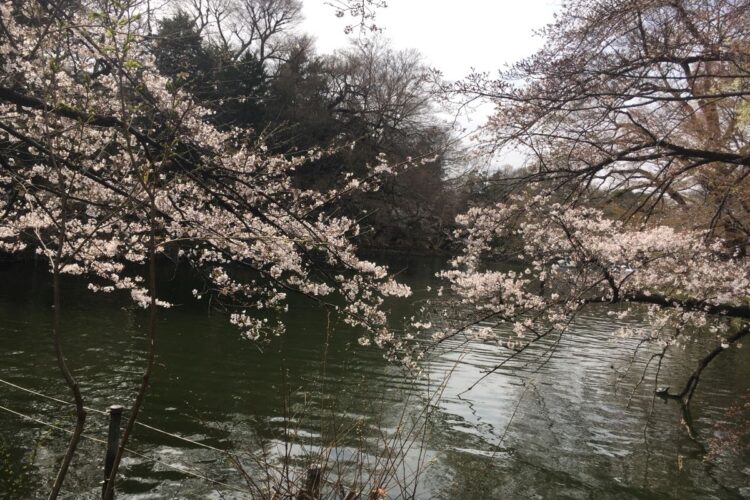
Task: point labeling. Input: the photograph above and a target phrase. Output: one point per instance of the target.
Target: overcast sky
(454, 35)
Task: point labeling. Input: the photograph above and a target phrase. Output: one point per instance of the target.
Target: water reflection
(568, 425)
(577, 429)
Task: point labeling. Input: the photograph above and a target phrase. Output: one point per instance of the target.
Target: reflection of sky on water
(566, 421)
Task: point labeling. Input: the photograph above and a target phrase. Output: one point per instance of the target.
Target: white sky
(454, 35)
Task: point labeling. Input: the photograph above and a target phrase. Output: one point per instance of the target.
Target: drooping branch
(686, 394)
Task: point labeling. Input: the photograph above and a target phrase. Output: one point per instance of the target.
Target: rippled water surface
(566, 419)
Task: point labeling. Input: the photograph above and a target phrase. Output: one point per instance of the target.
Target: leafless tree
(246, 26)
(389, 90)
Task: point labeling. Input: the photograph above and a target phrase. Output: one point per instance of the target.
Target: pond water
(565, 420)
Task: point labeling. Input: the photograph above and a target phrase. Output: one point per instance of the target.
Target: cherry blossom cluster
(103, 158)
(560, 258)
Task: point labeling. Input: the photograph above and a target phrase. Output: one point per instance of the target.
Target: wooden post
(113, 442)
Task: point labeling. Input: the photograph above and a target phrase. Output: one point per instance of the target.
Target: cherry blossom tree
(107, 167)
(646, 97)
(635, 194)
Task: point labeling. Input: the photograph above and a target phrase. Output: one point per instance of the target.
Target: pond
(567, 419)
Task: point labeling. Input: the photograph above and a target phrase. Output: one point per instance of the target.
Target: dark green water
(561, 428)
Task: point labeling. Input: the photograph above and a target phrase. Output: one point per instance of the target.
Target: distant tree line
(249, 63)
